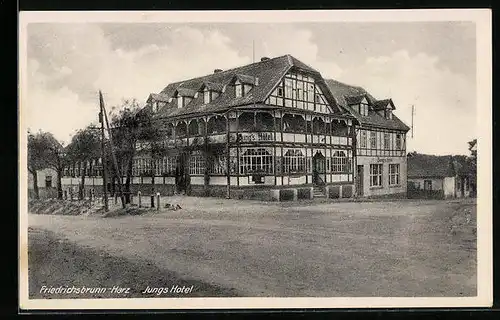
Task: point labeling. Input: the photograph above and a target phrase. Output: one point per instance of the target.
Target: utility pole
(103, 155)
(115, 162)
(412, 114)
(253, 51)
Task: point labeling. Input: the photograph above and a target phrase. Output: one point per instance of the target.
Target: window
(373, 140)
(362, 142)
(398, 141)
(238, 90)
(48, 181)
(280, 92)
(256, 160)
(180, 102)
(339, 162)
(388, 114)
(393, 174)
(197, 163)
(206, 96)
(428, 185)
(363, 109)
(141, 167)
(375, 175)
(218, 165)
(387, 141)
(294, 161)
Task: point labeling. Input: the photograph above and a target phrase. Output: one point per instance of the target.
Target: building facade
(275, 130)
(380, 153)
(439, 177)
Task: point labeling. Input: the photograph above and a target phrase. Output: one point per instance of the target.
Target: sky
(431, 65)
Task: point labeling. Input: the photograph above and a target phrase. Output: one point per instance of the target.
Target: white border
(482, 18)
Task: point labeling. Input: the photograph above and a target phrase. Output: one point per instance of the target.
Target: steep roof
(382, 104)
(346, 95)
(430, 166)
(264, 74)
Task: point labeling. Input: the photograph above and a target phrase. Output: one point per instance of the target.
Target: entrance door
(180, 173)
(319, 169)
(359, 180)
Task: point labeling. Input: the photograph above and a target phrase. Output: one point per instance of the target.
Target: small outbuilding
(439, 177)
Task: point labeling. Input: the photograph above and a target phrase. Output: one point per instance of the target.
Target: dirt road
(249, 248)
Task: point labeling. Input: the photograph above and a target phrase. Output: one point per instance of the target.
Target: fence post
(157, 201)
(139, 198)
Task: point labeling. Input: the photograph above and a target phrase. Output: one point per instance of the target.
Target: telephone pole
(115, 162)
(103, 156)
(412, 114)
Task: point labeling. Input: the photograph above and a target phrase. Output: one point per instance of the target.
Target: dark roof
(267, 73)
(429, 166)
(346, 95)
(350, 100)
(186, 92)
(243, 78)
(158, 97)
(213, 86)
(382, 104)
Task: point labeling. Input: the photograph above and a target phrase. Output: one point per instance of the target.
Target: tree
(44, 151)
(84, 147)
(125, 130)
(36, 149)
(135, 130)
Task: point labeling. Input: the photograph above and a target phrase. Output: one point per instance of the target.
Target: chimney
(217, 70)
(264, 58)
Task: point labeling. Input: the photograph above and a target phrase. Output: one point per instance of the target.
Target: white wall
(436, 183)
(385, 189)
(41, 175)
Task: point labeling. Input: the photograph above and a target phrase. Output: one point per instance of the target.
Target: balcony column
(237, 148)
(307, 158)
(281, 132)
(274, 145)
(228, 174)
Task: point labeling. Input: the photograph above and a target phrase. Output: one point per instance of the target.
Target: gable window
(387, 141)
(375, 175)
(362, 142)
(393, 174)
(180, 102)
(280, 92)
(398, 141)
(373, 140)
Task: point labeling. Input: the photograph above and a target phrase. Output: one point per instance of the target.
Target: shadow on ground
(55, 262)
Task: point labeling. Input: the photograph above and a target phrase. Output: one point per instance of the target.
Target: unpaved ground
(403, 248)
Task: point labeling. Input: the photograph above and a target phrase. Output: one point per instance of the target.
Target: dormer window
(154, 106)
(238, 89)
(388, 113)
(183, 101)
(243, 84)
(206, 96)
(363, 109)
